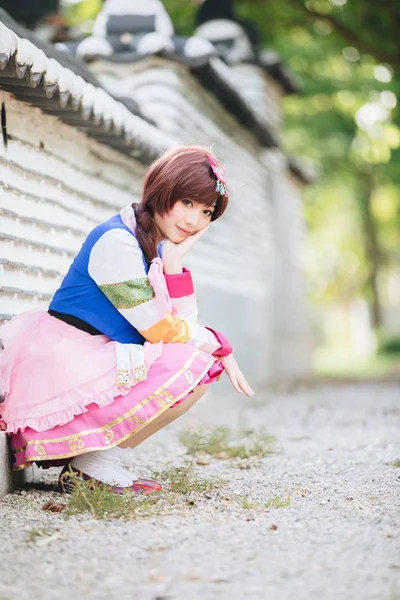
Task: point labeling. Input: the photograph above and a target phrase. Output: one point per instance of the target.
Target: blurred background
(345, 123)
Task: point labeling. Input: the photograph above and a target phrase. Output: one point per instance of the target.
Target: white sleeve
(116, 265)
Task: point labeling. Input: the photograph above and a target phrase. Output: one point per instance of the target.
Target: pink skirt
(62, 398)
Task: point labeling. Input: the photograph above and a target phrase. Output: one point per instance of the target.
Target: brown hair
(178, 174)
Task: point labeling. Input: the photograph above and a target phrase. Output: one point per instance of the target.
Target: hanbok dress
(119, 345)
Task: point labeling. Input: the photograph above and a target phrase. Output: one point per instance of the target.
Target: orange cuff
(168, 330)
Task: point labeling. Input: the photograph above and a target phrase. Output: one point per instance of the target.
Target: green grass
(181, 485)
(277, 502)
(34, 534)
(246, 504)
(328, 362)
(223, 443)
(273, 502)
(397, 463)
(178, 483)
(102, 503)
(184, 480)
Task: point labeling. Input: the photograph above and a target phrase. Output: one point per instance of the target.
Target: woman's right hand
(173, 254)
(236, 376)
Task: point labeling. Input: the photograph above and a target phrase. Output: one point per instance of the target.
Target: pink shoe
(142, 487)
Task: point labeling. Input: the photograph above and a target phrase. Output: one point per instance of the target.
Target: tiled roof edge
(39, 76)
(212, 79)
(302, 170)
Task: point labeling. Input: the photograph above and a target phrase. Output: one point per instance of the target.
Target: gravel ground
(336, 446)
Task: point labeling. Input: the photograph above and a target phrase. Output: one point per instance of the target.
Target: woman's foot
(69, 474)
(102, 467)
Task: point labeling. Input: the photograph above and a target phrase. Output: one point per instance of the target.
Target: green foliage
(34, 534)
(223, 443)
(178, 483)
(337, 364)
(184, 480)
(82, 14)
(102, 503)
(246, 504)
(347, 122)
(273, 502)
(182, 16)
(277, 502)
(390, 346)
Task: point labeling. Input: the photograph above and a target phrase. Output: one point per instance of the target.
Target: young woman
(120, 353)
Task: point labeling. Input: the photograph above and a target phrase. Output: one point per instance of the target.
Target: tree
(345, 52)
(370, 26)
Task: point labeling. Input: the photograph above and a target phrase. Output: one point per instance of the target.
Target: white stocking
(104, 466)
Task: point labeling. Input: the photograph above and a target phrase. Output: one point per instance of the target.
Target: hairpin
(219, 174)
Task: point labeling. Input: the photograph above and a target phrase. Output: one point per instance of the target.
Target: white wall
(292, 341)
(56, 184)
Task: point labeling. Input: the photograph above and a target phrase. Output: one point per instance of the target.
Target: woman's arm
(116, 265)
(181, 291)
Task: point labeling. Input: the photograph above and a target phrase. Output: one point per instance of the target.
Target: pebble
(336, 448)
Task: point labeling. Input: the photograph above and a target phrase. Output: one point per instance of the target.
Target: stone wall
(56, 184)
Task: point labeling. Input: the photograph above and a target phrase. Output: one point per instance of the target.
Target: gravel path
(336, 446)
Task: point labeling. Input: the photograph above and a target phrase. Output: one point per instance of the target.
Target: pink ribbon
(159, 285)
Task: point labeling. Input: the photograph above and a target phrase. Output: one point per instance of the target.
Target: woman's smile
(183, 231)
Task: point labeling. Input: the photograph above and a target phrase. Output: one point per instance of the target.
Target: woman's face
(185, 218)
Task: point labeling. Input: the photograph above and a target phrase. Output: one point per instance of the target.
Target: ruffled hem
(46, 394)
(81, 405)
(43, 398)
(174, 378)
(64, 416)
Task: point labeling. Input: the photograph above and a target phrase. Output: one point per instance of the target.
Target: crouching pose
(120, 353)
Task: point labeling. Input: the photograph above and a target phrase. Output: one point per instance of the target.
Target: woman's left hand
(173, 254)
(236, 376)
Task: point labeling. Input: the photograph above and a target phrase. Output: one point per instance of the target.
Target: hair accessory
(219, 174)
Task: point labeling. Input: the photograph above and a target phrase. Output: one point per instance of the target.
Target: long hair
(176, 175)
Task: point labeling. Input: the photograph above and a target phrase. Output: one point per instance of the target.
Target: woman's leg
(164, 419)
(104, 465)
